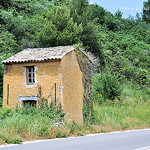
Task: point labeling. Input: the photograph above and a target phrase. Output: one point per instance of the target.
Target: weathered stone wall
(86, 66)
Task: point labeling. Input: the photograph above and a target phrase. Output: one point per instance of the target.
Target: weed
(11, 140)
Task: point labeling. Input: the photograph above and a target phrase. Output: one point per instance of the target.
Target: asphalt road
(129, 140)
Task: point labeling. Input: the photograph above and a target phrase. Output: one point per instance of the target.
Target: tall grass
(28, 123)
(122, 116)
(135, 92)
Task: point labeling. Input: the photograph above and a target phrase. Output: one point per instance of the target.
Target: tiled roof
(39, 54)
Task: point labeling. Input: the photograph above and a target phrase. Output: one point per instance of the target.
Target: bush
(105, 87)
(6, 112)
(5, 3)
(143, 77)
(11, 140)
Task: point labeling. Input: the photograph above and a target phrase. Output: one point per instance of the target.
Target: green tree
(98, 12)
(8, 43)
(90, 39)
(79, 11)
(47, 36)
(146, 11)
(60, 29)
(14, 24)
(118, 14)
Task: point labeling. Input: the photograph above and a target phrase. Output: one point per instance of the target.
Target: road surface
(129, 140)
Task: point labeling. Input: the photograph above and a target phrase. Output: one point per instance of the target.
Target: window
(30, 75)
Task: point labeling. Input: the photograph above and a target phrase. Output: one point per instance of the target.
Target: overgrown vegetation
(30, 122)
(122, 46)
(106, 87)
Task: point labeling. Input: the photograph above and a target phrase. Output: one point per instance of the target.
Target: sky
(127, 7)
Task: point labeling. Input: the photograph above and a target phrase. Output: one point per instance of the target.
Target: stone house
(45, 73)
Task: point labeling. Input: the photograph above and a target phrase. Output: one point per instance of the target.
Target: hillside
(120, 87)
(122, 45)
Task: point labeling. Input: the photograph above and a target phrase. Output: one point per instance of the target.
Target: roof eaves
(57, 57)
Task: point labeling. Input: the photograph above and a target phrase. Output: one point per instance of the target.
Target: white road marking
(143, 148)
(117, 132)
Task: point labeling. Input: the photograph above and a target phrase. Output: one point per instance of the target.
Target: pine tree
(146, 12)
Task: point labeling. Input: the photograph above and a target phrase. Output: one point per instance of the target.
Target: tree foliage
(146, 11)
(60, 29)
(5, 3)
(105, 87)
(122, 45)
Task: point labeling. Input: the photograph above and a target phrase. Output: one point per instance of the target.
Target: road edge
(38, 141)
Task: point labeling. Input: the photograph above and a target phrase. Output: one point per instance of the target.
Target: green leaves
(121, 44)
(146, 11)
(143, 77)
(98, 12)
(8, 43)
(105, 87)
(14, 24)
(47, 35)
(60, 29)
(91, 39)
(5, 3)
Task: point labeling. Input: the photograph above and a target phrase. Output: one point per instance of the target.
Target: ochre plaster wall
(47, 74)
(65, 73)
(73, 87)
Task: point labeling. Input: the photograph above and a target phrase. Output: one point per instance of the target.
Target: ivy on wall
(86, 67)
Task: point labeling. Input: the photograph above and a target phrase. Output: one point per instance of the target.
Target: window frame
(30, 75)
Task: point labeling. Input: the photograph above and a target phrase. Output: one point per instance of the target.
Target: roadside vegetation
(121, 92)
(29, 123)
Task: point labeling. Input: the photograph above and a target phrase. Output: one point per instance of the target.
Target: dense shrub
(6, 112)
(143, 77)
(5, 3)
(90, 38)
(8, 43)
(105, 87)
